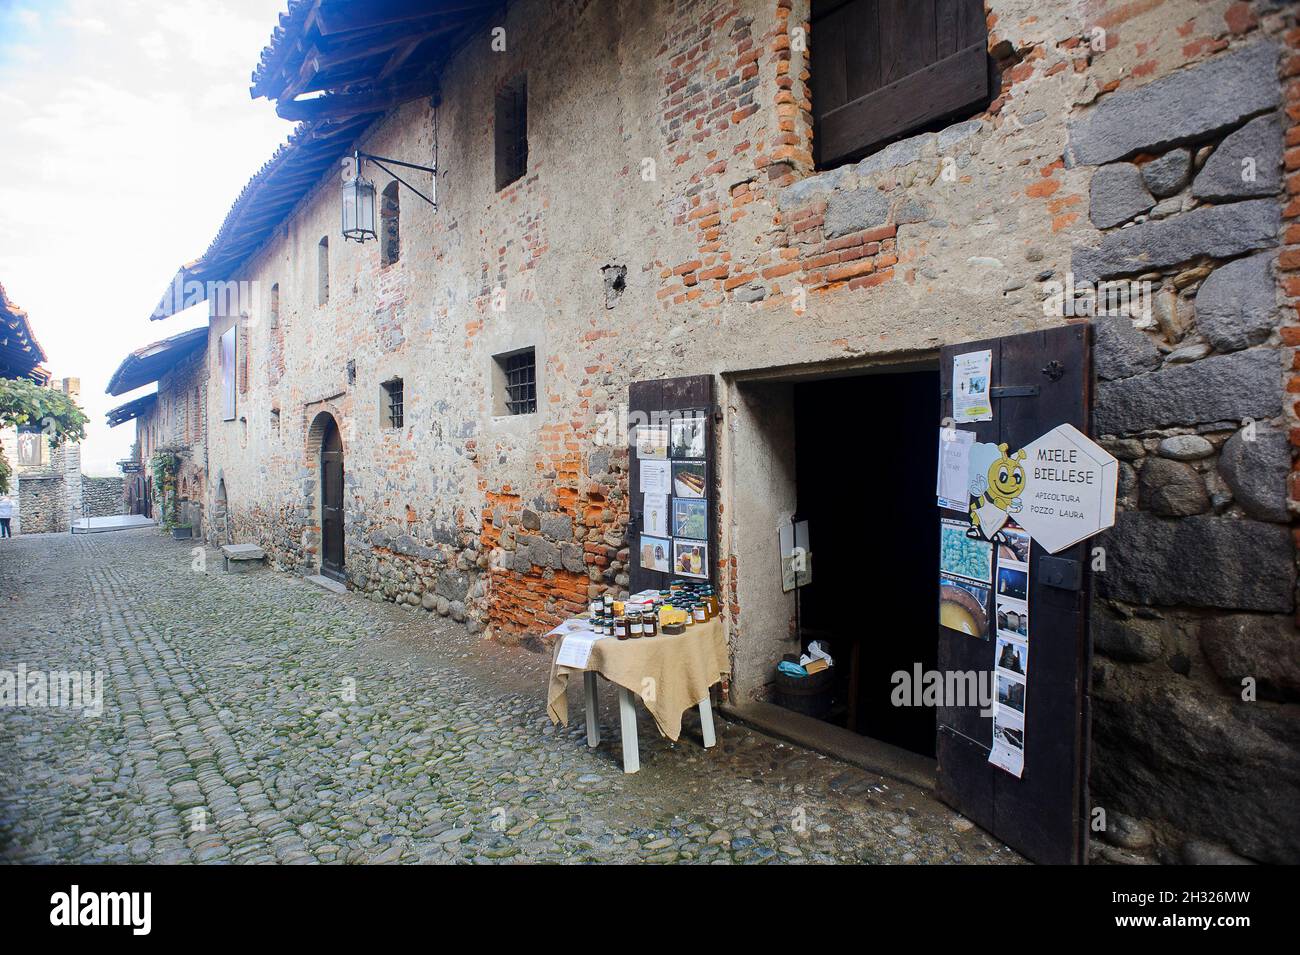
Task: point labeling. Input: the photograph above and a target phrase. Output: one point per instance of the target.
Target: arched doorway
(221, 514)
(331, 501)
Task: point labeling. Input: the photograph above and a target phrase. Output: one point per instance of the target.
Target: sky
(128, 131)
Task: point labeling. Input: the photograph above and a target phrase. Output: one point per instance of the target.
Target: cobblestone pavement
(229, 734)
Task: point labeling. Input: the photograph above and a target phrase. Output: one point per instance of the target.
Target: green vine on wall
(164, 471)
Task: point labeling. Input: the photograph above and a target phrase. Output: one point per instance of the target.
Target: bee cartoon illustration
(999, 485)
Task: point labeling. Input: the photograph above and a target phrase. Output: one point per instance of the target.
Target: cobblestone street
(228, 735)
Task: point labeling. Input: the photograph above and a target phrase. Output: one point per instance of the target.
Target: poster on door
(1011, 649)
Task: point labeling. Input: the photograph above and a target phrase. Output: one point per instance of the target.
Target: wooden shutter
(228, 375)
(1040, 380)
(511, 131)
(648, 401)
(881, 68)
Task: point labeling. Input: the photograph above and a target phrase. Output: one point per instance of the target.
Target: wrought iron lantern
(359, 212)
(359, 206)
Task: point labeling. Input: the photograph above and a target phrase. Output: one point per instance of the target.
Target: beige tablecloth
(668, 673)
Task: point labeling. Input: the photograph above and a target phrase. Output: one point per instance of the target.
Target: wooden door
(1039, 380)
(882, 68)
(673, 404)
(331, 484)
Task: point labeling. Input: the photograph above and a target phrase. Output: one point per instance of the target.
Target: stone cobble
(254, 718)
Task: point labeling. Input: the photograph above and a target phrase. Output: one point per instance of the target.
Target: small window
(390, 248)
(323, 271)
(516, 378)
(881, 69)
(392, 410)
(512, 131)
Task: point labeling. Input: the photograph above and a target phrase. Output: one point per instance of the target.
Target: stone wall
(1197, 679)
(42, 504)
(103, 496)
(671, 147)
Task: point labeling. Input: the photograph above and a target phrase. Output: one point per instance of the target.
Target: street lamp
(359, 196)
(359, 207)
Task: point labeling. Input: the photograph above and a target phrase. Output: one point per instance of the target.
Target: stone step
(333, 586)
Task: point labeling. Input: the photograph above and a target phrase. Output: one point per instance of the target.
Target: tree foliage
(23, 402)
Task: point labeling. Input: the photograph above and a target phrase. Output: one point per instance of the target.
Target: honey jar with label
(620, 628)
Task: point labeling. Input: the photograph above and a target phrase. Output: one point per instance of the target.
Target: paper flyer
(655, 515)
(953, 482)
(655, 476)
(971, 383)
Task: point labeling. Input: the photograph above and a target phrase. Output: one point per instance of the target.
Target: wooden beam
(346, 105)
(343, 16)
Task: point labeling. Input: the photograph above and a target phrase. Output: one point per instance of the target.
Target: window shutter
(881, 68)
(228, 375)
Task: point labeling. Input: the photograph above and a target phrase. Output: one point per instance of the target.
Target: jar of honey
(620, 628)
(635, 628)
(650, 624)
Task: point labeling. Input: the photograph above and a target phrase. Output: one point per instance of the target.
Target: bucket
(810, 695)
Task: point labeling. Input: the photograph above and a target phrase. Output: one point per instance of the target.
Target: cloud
(111, 175)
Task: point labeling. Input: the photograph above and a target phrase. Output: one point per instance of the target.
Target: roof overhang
(21, 355)
(362, 54)
(148, 364)
(336, 66)
(266, 201)
(135, 408)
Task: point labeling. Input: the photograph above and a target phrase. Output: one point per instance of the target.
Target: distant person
(6, 515)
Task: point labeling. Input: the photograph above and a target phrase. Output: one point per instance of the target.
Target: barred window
(511, 129)
(516, 377)
(392, 408)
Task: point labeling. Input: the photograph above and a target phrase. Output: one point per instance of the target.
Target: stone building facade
(50, 490)
(172, 419)
(672, 222)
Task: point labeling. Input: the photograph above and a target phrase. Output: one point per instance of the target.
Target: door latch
(1061, 572)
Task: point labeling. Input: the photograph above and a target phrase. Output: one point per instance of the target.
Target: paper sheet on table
(576, 649)
(954, 468)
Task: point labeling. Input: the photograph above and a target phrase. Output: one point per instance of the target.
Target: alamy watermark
(933, 688)
(64, 689)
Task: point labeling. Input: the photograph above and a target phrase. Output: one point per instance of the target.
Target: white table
(627, 721)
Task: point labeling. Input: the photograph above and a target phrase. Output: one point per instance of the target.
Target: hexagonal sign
(1069, 492)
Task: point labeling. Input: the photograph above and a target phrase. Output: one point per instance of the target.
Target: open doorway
(865, 461)
(854, 453)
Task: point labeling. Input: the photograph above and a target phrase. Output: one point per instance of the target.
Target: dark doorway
(331, 501)
(866, 455)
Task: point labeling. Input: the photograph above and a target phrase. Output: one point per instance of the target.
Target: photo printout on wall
(652, 443)
(691, 518)
(688, 435)
(688, 478)
(654, 553)
(690, 558)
